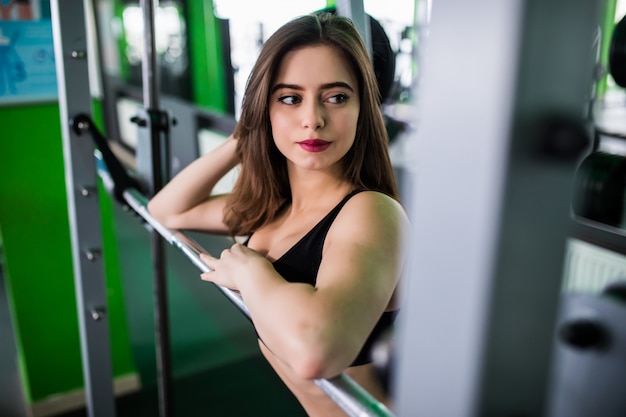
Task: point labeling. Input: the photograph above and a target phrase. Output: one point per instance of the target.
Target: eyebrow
(323, 86)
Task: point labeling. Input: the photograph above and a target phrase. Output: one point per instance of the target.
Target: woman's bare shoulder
(371, 213)
(375, 203)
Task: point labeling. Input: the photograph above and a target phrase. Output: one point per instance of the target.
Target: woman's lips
(314, 145)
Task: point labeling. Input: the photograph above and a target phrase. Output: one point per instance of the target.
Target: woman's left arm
(318, 331)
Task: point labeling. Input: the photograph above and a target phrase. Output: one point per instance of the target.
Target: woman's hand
(234, 264)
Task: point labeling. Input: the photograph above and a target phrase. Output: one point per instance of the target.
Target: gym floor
(246, 388)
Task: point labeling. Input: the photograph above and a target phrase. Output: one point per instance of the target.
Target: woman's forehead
(314, 65)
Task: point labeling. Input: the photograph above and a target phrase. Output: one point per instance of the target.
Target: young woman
(317, 200)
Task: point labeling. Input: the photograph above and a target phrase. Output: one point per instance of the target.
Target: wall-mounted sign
(27, 69)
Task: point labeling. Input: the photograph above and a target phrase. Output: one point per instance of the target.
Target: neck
(315, 189)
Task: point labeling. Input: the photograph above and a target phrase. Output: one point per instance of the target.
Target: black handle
(121, 180)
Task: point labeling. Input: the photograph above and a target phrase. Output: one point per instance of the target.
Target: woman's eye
(338, 98)
(289, 99)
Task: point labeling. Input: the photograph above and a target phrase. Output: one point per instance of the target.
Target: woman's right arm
(186, 202)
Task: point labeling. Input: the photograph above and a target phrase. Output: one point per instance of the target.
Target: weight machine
(516, 141)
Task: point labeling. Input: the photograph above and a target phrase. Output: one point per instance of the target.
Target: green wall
(35, 232)
(205, 48)
(607, 25)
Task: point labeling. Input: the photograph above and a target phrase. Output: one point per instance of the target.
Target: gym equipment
(490, 212)
(590, 355)
(617, 53)
(155, 125)
(600, 181)
(599, 187)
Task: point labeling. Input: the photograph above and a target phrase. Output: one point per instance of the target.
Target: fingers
(218, 265)
(213, 263)
(220, 271)
(209, 260)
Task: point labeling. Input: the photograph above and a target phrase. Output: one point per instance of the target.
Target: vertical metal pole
(158, 127)
(354, 10)
(149, 69)
(70, 50)
(491, 203)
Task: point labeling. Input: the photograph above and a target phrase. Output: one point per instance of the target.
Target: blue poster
(27, 68)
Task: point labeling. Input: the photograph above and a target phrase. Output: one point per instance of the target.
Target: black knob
(139, 121)
(584, 334)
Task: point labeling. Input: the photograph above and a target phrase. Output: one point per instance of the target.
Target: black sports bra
(301, 264)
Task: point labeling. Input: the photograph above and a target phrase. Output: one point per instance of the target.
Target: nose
(313, 116)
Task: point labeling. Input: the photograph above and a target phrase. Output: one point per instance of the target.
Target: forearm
(295, 326)
(194, 183)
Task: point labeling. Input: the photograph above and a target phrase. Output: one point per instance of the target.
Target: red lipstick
(314, 145)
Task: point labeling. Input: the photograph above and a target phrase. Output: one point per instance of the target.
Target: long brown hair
(263, 184)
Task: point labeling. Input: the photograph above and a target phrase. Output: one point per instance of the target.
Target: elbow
(310, 364)
(158, 214)
(312, 351)
(309, 368)
(153, 209)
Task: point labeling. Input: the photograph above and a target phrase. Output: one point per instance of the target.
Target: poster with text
(27, 68)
